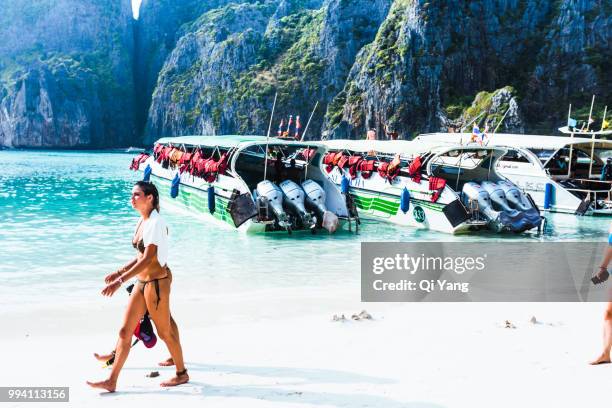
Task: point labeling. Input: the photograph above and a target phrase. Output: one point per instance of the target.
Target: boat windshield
(515, 156)
(543, 154)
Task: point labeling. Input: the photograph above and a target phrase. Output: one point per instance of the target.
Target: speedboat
(251, 183)
(562, 174)
(447, 188)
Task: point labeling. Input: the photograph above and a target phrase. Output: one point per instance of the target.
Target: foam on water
(65, 222)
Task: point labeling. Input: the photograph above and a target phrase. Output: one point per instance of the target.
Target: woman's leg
(169, 361)
(134, 312)
(607, 337)
(160, 313)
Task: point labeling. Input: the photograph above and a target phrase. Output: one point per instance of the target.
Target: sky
(135, 5)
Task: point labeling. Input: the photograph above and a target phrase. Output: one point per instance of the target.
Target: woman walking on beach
(151, 292)
(600, 277)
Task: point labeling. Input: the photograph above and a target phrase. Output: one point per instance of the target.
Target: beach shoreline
(408, 355)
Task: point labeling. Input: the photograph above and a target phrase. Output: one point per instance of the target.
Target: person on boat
(391, 133)
(601, 276)
(152, 291)
(606, 171)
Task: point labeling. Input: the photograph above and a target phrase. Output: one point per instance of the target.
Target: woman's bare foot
(167, 363)
(180, 378)
(103, 357)
(603, 359)
(107, 385)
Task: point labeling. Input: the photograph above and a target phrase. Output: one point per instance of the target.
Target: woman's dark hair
(149, 189)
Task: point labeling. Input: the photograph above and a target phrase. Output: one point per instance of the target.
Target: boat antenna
(268, 138)
(501, 121)
(590, 113)
(309, 119)
(603, 121)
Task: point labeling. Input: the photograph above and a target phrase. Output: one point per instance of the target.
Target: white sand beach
(290, 353)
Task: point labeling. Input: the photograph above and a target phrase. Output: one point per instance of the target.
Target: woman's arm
(139, 265)
(111, 277)
(607, 257)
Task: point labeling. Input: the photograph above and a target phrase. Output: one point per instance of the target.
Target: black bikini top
(139, 246)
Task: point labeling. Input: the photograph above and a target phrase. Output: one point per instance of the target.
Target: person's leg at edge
(607, 337)
(134, 312)
(161, 317)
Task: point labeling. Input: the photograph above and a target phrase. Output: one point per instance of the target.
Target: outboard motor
(498, 197)
(315, 197)
(517, 199)
(473, 191)
(294, 200)
(315, 200)
(274, 195)
(511, 220)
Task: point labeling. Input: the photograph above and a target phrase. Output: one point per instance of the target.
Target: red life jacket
(366, 167)
(329, 158)
(414, 170)
(307, 154)
(394, 168)
(436, 184)
(223, 163)
(343, 161)
(382, 169)
(353, 165)
(337, 158)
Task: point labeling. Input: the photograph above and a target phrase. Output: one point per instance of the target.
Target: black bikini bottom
(155, 283)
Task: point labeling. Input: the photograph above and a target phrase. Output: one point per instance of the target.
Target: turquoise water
(65, 222)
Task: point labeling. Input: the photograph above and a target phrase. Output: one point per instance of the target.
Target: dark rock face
(156, 33)
(66, 73)
(429, 60)
(225, 70)
(76, 73)
(574, 62)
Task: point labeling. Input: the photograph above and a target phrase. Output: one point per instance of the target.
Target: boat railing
(597, 195)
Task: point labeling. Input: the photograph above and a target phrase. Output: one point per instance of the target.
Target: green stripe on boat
(195, 199)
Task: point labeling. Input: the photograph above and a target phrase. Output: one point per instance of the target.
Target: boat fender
(405, 201)
(211, 199)
(344, 185)
(147, 173)
(548, 195)
(174, 188)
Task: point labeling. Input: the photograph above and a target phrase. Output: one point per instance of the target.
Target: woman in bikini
(151, 292)
(602, 276)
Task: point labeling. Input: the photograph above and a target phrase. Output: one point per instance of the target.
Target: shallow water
(65, 222)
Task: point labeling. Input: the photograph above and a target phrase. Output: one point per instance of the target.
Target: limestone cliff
(66, 73)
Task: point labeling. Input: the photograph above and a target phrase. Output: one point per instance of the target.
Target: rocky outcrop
(66, 73)
(225, 70)
(84, 74)
(429, 60)
(496, 111)
(155, 35)
(573, 64)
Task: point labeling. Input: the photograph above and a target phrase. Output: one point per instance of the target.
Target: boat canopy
(537, 142)
(232, 141)
(403, 147)
(567, 130)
